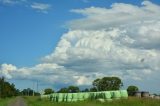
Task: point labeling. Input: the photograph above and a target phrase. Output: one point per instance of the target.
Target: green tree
(73, 89)
(131, 89)
(7, 89)
(48, 91)
(63, 90)
(85, 90)
(94, 89)
(107, 83)
(27, 92)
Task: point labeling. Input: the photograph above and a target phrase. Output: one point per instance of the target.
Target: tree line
(9, 90)
(99, 84)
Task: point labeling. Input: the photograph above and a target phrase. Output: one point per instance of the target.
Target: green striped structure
(69, 97)
(116, 95)
(74, 97)
(107, 95)
(86, 95)
(98, 95)
(91, 95)
(60, 97)
(65, 97)
(55, 97)
(80, 96)
(95, 95)
(52, 97)
(124, 93)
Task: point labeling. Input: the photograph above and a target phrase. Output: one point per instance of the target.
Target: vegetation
(28, 92)
(7, 89)
(93, 89)
(6, 101)
(48, 91)
(131, 89)
(73, 89)
(85, 90)
(108, 83)
(63, 90)
(105, 83)
(70, 89)
(36, 101)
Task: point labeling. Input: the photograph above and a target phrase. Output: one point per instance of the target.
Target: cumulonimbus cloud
(122, 40)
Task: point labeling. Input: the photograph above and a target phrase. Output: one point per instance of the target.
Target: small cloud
(11, 2)
(41, 7)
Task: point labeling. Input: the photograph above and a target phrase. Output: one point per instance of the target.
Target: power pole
(37, 86)
(33, 89)
(28, 92)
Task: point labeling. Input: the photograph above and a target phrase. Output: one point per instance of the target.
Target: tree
(7, 89)
(131, 89)
(48, 91)
(63, 90)
(94, 89)
(107, 83)
(73, 89)
(85, 90)
(29, 92)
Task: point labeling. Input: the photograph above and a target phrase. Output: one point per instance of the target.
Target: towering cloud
(123, 40)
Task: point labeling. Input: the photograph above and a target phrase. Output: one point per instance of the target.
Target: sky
(58, 43)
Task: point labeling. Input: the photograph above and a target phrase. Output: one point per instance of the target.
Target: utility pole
(0, 91)
(37, 86)
(28, 91)
(33, 88)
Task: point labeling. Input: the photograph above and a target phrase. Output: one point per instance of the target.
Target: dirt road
(18, 102)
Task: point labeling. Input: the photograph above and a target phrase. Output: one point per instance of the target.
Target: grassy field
(36, 101)
(6, 101)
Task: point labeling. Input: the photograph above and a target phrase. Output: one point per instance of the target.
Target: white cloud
(12, 2)
(119, 41)
(119, 14)
(42, 7)
(38, 6)
(6, 69)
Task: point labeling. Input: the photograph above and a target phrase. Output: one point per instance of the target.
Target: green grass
(6, 101)
(36, 101)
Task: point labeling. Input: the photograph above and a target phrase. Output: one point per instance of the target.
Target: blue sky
(32, 31)
(27, 35)
(24, 29)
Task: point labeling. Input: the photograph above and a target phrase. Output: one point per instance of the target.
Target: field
(36, 101)
(6, 101)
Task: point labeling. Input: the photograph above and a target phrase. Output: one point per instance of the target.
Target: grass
(36, 101)
(6, 101)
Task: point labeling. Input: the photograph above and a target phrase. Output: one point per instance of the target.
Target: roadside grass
(131, 101)
(6, 101)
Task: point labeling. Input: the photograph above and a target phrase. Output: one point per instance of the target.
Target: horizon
(73, 42)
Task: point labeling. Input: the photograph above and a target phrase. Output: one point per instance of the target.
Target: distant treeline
(8, 90)
(100, 84)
